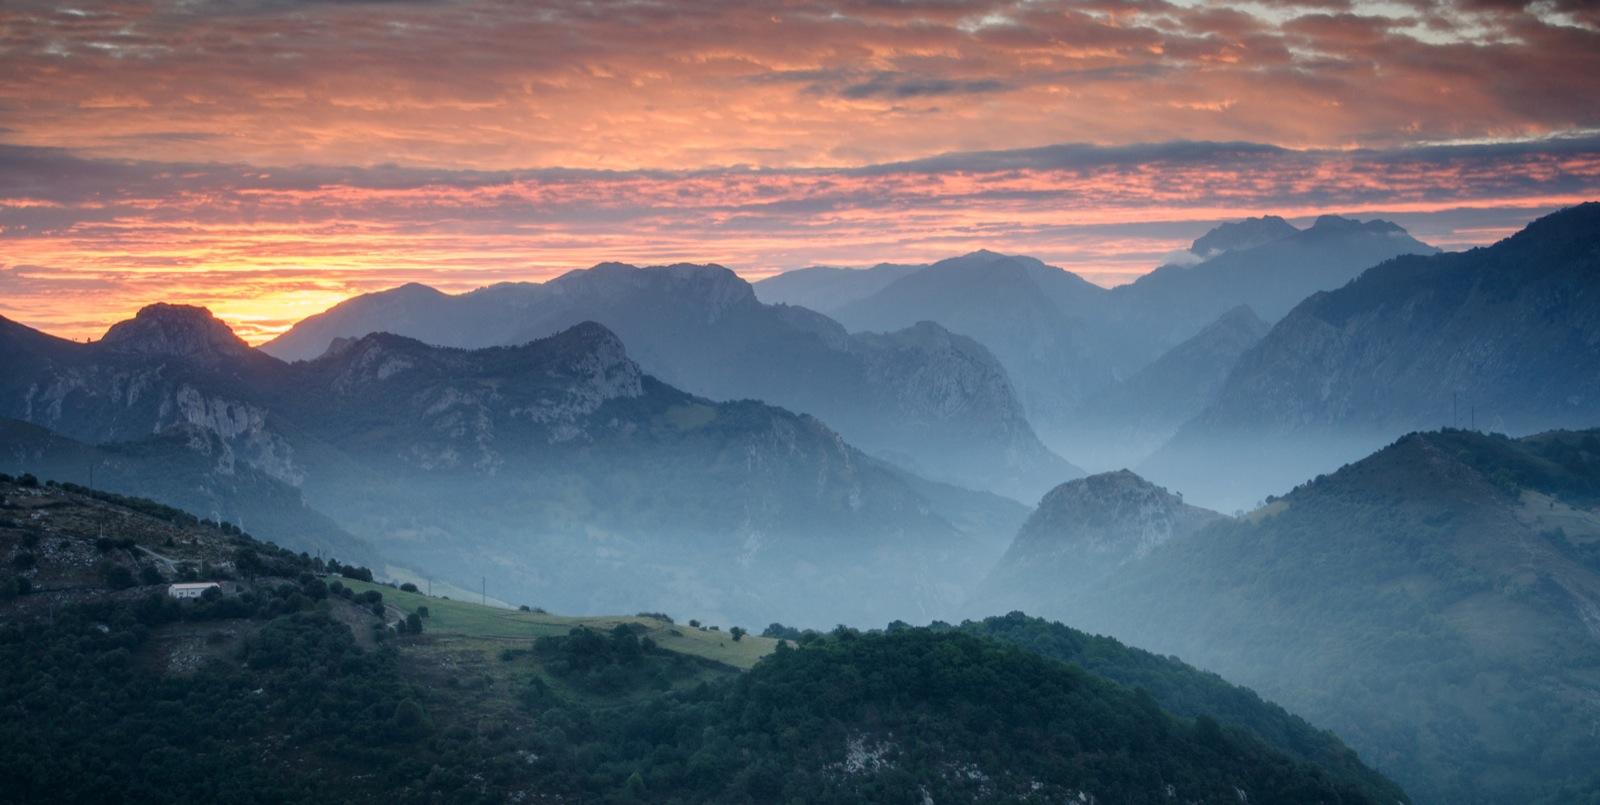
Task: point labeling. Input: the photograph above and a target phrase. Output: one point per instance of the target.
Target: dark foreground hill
(289, 685)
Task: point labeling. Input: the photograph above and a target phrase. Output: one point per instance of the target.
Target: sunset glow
(268, 158)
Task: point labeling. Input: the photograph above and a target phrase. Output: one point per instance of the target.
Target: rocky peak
(1112, 517)
(710, 288)
(183, 331)
(1238, 318)
(1239, 235)
(588, 341)
(337, 346)
(1336, 225)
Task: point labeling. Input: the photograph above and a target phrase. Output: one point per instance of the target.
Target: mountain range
(543, 466)
(935, 403)
(1504, 337)
(1064, 341)
(1123, 424)
(1436, 604)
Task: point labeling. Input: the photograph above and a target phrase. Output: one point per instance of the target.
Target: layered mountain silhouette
(1064, 340)
(1039, 321)
(1505, 337)
(545, 467)
(1265, 265)
(937, 404)
(1124, 424)
(827, 288)
(1437, 604)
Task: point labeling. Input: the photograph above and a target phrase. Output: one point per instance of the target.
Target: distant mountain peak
(588, 337)
(185, 331)
(1239, 235)
(1117, 513)
(1340, 225)
(982, 256)
(1086, 528)
(1236, 316)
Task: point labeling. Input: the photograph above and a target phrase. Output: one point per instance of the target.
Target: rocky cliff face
(178, 331)
(172, 366)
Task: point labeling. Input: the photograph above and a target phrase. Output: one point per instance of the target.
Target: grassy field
(456, 626)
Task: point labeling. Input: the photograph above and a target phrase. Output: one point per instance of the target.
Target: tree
(737, 632)
(414, 623)
(410, 721)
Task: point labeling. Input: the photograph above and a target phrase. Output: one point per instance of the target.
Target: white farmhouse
(192, 590)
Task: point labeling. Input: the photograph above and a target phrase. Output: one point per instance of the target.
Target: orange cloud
(88, 241)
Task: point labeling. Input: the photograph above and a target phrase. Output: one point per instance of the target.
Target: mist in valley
(860, 402)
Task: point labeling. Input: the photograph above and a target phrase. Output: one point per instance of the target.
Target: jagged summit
(713, 288)
(1338, 225)
(185, 331)
(1237, 316)
(1247, 234)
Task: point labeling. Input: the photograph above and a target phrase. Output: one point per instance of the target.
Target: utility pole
(483, 590)
(1455, 409)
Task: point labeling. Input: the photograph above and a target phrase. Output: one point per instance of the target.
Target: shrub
(408, 587)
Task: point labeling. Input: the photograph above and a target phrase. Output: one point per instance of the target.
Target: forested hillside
(300, 680)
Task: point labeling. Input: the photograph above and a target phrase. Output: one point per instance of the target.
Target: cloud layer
(269, 157)
(89, 240)
(781, 83)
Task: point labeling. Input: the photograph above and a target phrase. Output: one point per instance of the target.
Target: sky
(268, 158)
